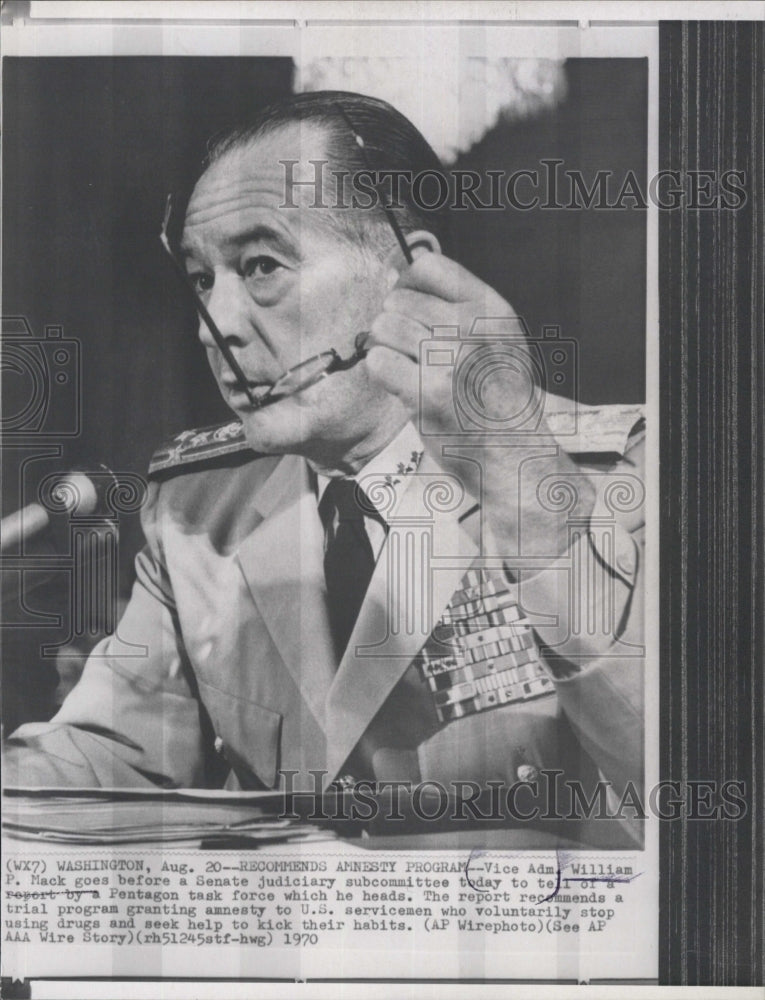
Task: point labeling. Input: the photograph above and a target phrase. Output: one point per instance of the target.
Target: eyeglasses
(307, 373)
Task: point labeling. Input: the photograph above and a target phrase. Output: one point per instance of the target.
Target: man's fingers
(398, 333)
(434, 274)
(421, 307)
(397, 374)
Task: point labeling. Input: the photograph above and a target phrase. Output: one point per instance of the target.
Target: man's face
(282, 286)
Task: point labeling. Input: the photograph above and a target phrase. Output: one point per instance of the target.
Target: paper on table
(72, 819)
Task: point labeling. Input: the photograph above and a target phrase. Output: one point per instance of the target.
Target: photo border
(711, 603)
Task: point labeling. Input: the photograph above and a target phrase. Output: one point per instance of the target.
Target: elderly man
(405, 559)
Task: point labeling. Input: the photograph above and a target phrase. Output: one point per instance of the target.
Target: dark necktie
(348, 558)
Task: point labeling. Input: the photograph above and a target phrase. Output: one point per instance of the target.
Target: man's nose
(228, 305)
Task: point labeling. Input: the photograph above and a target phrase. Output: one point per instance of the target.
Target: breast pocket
(505, 745)
(247, 735)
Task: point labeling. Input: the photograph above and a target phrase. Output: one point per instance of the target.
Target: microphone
(74, 494)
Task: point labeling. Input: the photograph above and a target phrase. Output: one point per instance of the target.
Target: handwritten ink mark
(475, 852)
(563, 860)
(49, 893)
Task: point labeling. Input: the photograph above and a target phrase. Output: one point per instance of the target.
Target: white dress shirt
(398, 458)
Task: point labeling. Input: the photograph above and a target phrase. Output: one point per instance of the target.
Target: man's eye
(261, 266)
(201, 281)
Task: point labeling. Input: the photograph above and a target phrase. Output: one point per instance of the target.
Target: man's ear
(419, 242)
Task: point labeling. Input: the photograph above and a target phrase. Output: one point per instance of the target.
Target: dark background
(712, 523)
(93, 145)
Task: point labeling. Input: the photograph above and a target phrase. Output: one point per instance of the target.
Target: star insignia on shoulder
(191, 447)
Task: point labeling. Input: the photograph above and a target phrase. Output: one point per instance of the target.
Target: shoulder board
(580, 428)
(201, 445)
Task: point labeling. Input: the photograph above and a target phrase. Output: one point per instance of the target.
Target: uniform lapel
(282, 562)
(430, 545)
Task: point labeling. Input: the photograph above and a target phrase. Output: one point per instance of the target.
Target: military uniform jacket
(222, 669)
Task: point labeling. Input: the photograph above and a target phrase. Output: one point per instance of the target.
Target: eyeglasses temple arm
(210, 323)
(389, 213)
